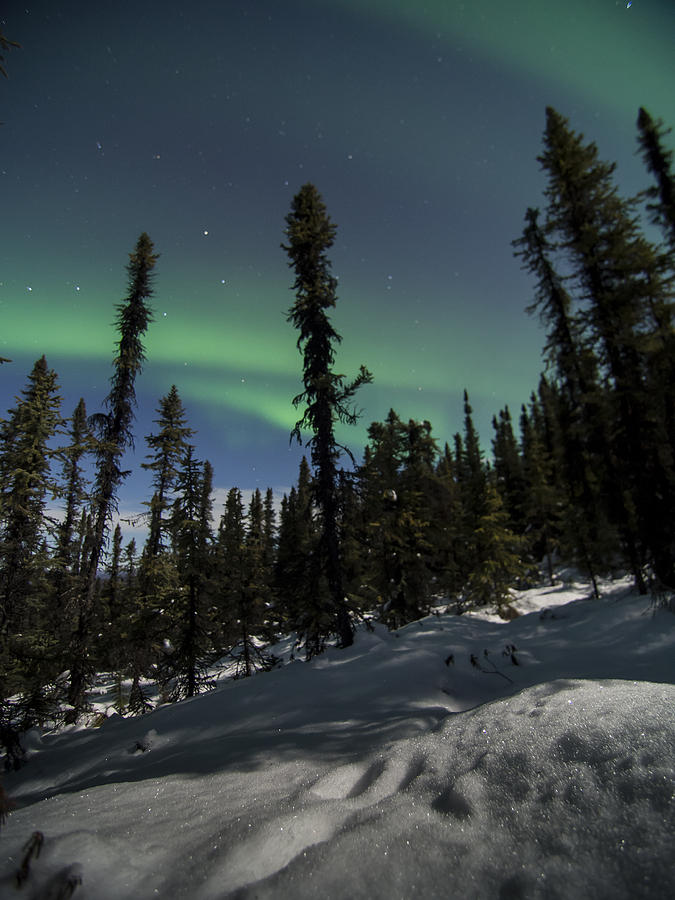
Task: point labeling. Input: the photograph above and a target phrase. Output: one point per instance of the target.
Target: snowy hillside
(397, 768)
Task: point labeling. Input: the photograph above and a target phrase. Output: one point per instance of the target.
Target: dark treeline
(586, 475)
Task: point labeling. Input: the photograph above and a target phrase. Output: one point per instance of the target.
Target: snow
(393, 769)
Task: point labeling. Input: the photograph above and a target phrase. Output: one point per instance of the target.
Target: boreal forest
(582, 474)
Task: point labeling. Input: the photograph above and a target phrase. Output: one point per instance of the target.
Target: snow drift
(394, 769)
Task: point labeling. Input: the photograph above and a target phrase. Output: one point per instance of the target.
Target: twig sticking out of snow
(477, 664)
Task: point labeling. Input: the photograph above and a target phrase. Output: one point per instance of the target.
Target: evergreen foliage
(114, 436)
(589, 479)
(167, 448)
(397, 481)
(28, 650)
(610, 332)
(298, 577)
(326, 394)
(184, 671)
(659, 163)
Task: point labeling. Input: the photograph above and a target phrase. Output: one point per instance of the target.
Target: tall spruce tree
(230, 581)
(658, 160)
(65, 579)
(326, 394)
(242, 592)
(397, 482)
(158, 577)
(167, 449)
(185, 671)
(660, 339)
(27, 650)
(25, 482)
(394, 530)
(619, 282)
(114, 434)
(578, 423)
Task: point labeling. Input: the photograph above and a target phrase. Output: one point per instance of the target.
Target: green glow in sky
(419, 124)
(587, 45)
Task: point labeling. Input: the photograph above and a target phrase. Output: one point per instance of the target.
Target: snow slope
(393, 769)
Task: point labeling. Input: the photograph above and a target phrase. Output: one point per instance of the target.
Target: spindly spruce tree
(114, 436)
(158, 576)
(73, 490)
(326, 395)
(65, 560)
(658, 160)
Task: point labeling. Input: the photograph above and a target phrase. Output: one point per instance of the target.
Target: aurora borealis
(419, 125)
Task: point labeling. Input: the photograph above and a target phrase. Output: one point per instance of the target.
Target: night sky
(197, 122)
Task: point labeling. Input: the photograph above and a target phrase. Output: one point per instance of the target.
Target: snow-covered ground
(394, 769)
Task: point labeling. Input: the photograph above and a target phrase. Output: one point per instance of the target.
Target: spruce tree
(541, 499)
(114, 436)
(379, 488)
(185, 668)
(269, 548)
(398, 485)
(472, 478)
(508, 470)
(620, 283)
(258, 588)
(659, 161)
(327, 396)
(243, 592)
(577, 414)
(298, 577)
(498, 564)
(28, 651)
(74, 488)
(25, 482)
(167, 450)
(65, 560)
(447, 534)
(158, 577)
(230, 581)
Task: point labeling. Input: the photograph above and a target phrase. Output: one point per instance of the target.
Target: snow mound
(397, 768)
(563, 790)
